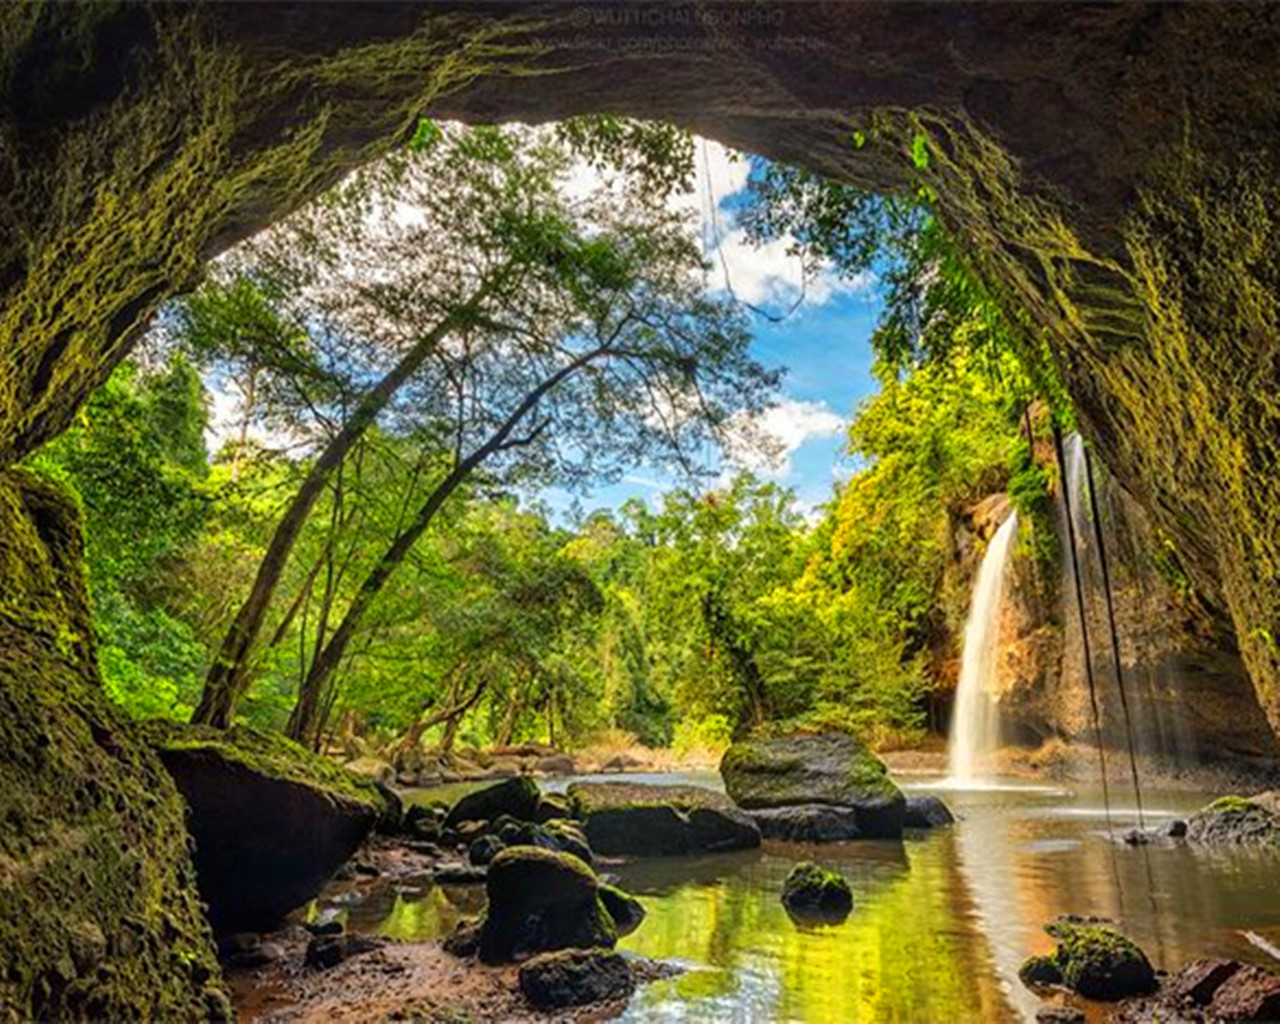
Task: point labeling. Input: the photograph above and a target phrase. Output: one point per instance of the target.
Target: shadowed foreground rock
(832, 769)
(516, 798)
(575, 977)
(271, 822)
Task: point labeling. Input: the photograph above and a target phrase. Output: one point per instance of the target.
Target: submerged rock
(813, 891)
(927, 812)
(1236, 821)
(1093, 960)
(832, 768)
(575, 977)
(517, 797)
(271, 822)
(627, 819)
(540, 901)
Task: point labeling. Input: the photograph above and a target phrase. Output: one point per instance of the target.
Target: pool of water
(940, 921)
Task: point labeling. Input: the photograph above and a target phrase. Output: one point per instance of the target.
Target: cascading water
(975, 723)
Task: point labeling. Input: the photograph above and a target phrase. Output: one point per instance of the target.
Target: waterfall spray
(975, 723)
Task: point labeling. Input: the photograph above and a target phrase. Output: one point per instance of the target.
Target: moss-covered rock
(271, 821)
(575, 977)
(1093, 960)
(99, 914)
(628, 913)
(515, 797)
(811, 891)
(540, 900)
(624, 819)
(1235, 821)
(832, 768)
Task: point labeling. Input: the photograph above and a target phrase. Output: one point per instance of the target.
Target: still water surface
(940, 921)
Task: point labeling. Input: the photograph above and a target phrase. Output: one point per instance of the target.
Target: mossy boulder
(540, 900)
(557, 835)
(832, 768)
(623, 819)
(516, 797)
(628, 913)
(270, 820)
(100, 918)
(1236, 821)
(811, 891)
(1092, 960)
(575, 977)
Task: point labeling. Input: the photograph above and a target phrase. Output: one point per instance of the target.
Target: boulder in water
(577, 977)
(517, 797)
(813, 891)
(808, 823)
(927, 812)
(539, 901)
(1095, 961)
(628, 913)
(629, 819)
(1236, 821)
(832, 768)
(271, 822)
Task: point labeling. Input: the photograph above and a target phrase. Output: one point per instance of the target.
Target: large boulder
(832, 768)
(540, 900)
(1095, 961)
(808, 823)
(630, 819)
(811, 891)
(1236, 821)
(575, 977)
(560, 836)
(271, 821)
(516, 797)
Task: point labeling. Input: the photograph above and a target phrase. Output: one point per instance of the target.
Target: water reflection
(939, 926)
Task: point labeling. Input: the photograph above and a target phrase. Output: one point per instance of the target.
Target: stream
(941, 921)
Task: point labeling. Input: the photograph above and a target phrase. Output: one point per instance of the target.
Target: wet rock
(464, 940)
(330, 927)
(1059, 1015)
(808, 823)
(1250, 994)
(391, 821)
(829, 769)
(517, 797)
(625, 819)
(556, 981)
(1235, 821)
(326, 951)
(1136, 837)
(1200, 980)
(422, 823)
(484, 849)
(271, 822)
(467, 831)
(927, 812)
(1176, 829)
(459, 874)
(628, 913)
(552, 806)
(813, 891)
(367, 870)
(1092, 960)
(541, 901)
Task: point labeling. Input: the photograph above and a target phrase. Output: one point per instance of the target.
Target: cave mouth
(1108, 176)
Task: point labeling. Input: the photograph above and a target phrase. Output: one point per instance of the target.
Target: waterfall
(975, 723)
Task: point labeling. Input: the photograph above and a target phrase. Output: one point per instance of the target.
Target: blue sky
(824, 344)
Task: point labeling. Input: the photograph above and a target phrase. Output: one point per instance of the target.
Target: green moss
(1040, 970)
(1233, 805)
(99, 917)
(814, 889)
(269, 753)
(1093, 960)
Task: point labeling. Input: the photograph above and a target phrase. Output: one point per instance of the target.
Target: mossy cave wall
(1111, 167)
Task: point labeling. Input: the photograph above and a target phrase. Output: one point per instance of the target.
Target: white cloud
(766, 442)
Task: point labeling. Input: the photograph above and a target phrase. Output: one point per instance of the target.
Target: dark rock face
(1234, 821)
(808, 823)
(814, 892)
(516, 797)
(464, 940)
(1250, 994)
(541, 901)
(628, 913)
(1092, 960)
(830, 769)
(263, 844)
(555, 981)
(621, 819)
(326, 951)
(927, 812)
(1200, 980)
